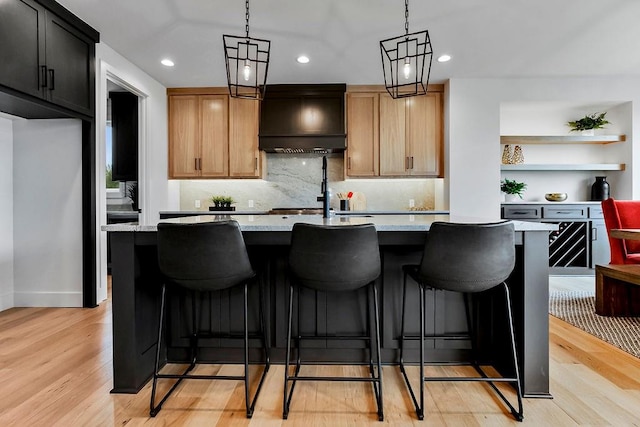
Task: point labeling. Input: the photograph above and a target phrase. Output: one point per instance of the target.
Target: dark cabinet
(45, 56)
(22, 45)
(124, 123)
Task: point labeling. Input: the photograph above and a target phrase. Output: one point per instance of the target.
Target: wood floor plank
(55, 370)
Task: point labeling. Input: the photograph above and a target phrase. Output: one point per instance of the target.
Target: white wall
(155, 192)
(6, 214)
(474, 156)
(47, 211)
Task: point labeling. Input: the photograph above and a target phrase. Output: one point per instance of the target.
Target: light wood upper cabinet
(393, 137)
(244, 154)
(184, 144)
(424, 134)
(393, 153)
(362, 156)
(212, 135)
(411, 135)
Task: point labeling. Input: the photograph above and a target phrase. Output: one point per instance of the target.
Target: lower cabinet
(581, 240)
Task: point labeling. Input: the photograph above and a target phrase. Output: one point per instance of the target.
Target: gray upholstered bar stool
(467, 258)
(335, 259)
(203, 258)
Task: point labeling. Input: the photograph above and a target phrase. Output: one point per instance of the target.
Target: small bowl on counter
(556, 197)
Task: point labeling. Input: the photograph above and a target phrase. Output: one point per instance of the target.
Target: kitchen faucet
(324, 189)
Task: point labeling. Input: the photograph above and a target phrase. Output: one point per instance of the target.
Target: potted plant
(588, 123)
(222, 203)
(132, 193)
(512, 188)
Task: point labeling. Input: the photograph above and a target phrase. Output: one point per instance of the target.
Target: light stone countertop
(285, 223)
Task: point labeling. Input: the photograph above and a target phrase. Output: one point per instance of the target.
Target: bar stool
(335, 259)
(467, 258)
(204, 258)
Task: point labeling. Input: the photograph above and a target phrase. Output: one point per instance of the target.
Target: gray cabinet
(581, 240)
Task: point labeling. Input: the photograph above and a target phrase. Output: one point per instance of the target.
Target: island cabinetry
(136, 292)
(212, 135)
(48, 58)
(393, 138)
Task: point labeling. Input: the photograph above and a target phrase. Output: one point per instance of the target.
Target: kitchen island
(136, 291)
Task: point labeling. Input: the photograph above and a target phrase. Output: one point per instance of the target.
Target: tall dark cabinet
(47, 71)
(124, 122)
(46, 56)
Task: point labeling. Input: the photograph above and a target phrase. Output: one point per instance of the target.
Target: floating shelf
(565, 167)
(562, 139)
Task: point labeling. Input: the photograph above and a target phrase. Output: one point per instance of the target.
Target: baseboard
(47, 299)
(6, 301)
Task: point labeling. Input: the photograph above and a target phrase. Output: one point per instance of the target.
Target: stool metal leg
(247, 402)
(156, 374)
(377, 386)
(419, 405)
(519, 413)
(153, 410)
(286, 401)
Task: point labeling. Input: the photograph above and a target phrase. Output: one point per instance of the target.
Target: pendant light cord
(406, 16)
(246, 17)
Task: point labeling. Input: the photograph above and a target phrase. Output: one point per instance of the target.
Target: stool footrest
(344, 379)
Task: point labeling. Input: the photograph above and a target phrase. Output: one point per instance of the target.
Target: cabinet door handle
(255, 165)
(52, 77)
(43, 76)
(411, 162)
(594, 234)
(195, 163)
(348, 162)
(406, 163)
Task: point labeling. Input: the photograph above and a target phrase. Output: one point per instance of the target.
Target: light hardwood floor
(55, 369)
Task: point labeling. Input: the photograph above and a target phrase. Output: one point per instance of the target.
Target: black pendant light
(404, 59)
(247, 61)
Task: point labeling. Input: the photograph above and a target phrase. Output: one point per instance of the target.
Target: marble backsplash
(294, 181)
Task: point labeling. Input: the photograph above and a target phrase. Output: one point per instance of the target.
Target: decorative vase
(506, 155)
(600, 189)
(588, 132)
(518, 155)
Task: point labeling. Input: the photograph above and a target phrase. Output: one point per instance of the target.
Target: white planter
(511, 197)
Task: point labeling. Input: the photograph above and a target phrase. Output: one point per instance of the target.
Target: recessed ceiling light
(167, 62)
(444, 58)
(302, 59)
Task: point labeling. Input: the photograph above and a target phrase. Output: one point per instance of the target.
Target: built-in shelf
(561, 139)
(564, 167)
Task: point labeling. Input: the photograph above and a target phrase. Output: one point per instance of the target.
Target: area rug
(578, 309)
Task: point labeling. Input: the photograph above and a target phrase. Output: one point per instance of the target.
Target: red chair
(622, 214)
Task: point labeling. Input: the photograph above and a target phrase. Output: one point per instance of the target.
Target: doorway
(115, 204)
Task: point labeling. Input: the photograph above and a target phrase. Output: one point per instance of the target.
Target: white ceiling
(486, 38)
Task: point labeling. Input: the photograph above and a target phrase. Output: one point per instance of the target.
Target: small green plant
(222, 201)
(591, 121)
(509, 186)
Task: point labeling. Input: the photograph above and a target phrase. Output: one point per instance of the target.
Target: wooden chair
(622, 214)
